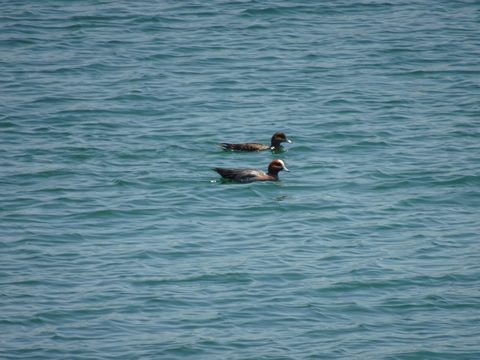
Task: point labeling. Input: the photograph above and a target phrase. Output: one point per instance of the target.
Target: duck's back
(244, 146)
(242, 175)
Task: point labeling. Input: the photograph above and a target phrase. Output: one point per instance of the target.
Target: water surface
(119, 241)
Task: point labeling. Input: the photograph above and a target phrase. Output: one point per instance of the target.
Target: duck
(251, 175)
(277, 139)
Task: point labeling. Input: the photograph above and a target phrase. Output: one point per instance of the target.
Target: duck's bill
(289, 141)
(285, 169)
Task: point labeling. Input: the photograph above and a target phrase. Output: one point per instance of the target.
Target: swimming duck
(277, 138)
(250, 175)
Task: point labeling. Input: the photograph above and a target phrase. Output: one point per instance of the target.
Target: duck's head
(276, 166)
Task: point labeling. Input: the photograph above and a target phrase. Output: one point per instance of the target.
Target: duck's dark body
(277, 139)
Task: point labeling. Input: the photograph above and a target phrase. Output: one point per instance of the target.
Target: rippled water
(120, 242)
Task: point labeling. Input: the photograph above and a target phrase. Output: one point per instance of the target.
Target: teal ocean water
(118, 241)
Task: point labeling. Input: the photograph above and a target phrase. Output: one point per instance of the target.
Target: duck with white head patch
(250, 175)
